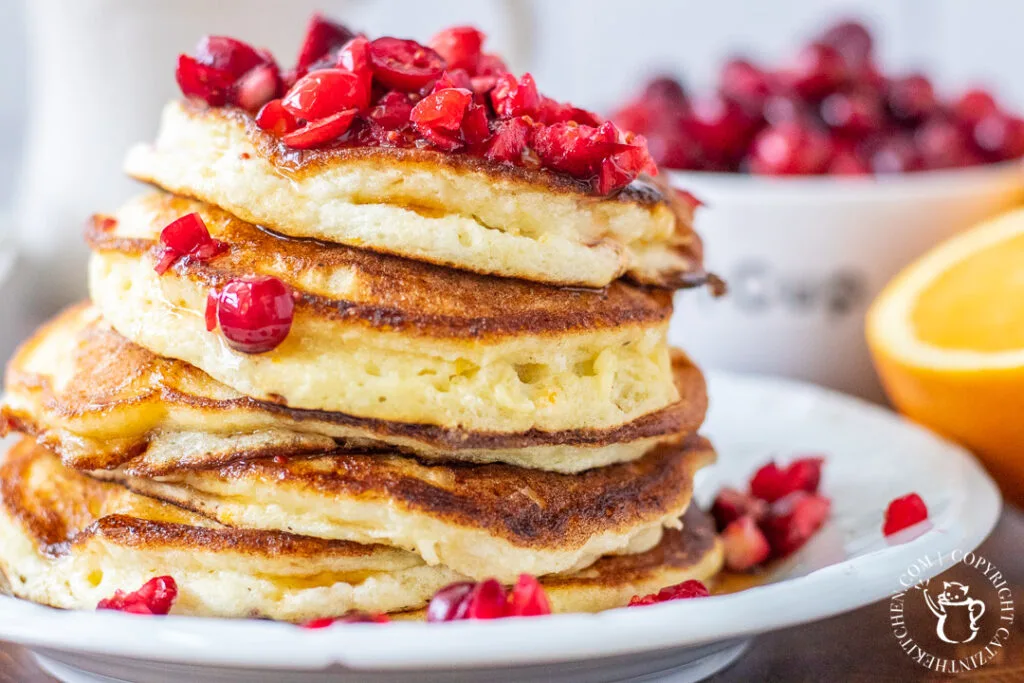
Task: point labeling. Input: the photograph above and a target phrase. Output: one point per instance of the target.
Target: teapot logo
(951, 600)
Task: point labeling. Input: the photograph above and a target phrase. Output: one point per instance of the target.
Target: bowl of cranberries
(820, 179)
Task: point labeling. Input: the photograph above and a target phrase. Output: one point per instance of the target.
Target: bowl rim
(1002, 176)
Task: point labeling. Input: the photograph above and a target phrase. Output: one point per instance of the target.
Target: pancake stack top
(393, 320)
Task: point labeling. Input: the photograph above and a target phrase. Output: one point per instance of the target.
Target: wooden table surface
(855, 647)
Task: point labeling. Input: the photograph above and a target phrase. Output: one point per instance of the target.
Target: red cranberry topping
(275, 119)
(353, 617)
(255, 314)
(156, 596)
(460, 47)
(487, 601)
(512, 97)
(323, 37)
(682, 591)
(731, 504)
(476, 129)
(509, 141)
(320, 132)
(818, 69)
(443, 109)
(259, 86)
(219, 74)
(904, 512)
(404, 64)
(449, 603)
(772, 482)
(392, 111)
(325, 93)
(528, 598)
(792, 520)
(911, 98)
(745, 545)
(187, 236)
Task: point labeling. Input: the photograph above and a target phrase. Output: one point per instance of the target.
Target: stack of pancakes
(477, 383)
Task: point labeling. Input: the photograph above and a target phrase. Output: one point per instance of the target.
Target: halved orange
(947, 336)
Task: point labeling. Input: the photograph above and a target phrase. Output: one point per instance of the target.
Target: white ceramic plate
(872, 457)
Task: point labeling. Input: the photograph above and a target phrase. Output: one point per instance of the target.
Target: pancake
(390, 339)
(101, 402)
(453, 210)
(480, 520)
(68, 541)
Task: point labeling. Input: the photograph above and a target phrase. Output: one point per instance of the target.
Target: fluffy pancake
(448, 209)
(390, 339)
(481, 520)
(69, 541)
(102, 402)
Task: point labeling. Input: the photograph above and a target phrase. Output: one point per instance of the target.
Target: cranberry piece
(353, 617)
(442, 139)
(444, 109)
(730, 504)
(973, 106)
(509, 141)
(326, 92)
(853, 113)
(255, 314)
(681, 591)
(491, 65)
(404, 64)
(745, 545)
(512, 97)
(316, 624)
(818, 70)
(475, 126)
(320, 132)
(275, 119)
(943, 144)
(187, 236)
(203, 82)
(259, 86)
(665, 91)
(1000, 137)
(459, 46)
(323, 36)
(528, 598)
(156, 596)
(743, 82)
(846, 161)
(894, 154)
(903, 513)
(792, 520)
(487, 601)
(620, 169)
(574, 149)
(450, 603)
(911, 98)
(720, 127)
(392, 110)
(451, 78)
(790, 149)
(772, 482)
(852, 40)
(229, 55)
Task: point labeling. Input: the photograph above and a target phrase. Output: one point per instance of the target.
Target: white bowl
(805, 256)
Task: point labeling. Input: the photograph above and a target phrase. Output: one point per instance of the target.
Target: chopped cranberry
(442, 139)
(444, 109)
(818, 70)
(353, 617)
(574, 149)
(509, 141)
(852, 40)
(743, 82)
(903, 513)
(404, 64)
(451, 78)
(790, 149)
(1000, 137)
(730, 504)
(156, 596)
(894, 154)
(512, 97)
(721, 127)
(259, 86)
(187, 236)
(227, 54)
(323, 37)
(528, 598)
(203, 82)
(487, 601)
(681, 591)
(326, 92)
(460, 47)
(392, 110)
(772, 482)
(911, 98)
(450, 603)
(316, 624)
(275, 119)
(255, 314)
(943, 144)
(475, 127)
(354, 56)
(973, 106)
(853, 113)
(792, 520)
(745, 545)
(620, 169)
(320, 132)
(491, 65)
